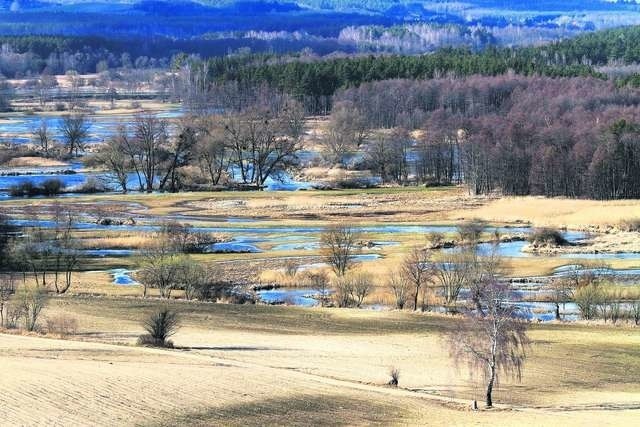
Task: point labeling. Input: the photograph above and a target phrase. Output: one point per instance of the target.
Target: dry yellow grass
(34, 162)
(140, 241)
(571, 213)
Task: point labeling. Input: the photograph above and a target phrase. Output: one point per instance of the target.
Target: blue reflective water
(18, 129)
(545, 311)
(108, 252)
(571, 269)
(233, 247)
(122, 277)
(293, 296)
(602, 256)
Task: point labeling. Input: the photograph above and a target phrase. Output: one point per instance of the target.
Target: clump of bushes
(52, 187)
(352, 289)
(49, 187)
(547, 237)
(470, 231)
(25, 307)
(160, 326)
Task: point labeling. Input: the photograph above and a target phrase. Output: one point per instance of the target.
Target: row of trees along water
(573, 137)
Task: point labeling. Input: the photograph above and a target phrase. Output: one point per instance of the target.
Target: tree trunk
(492, 377)
(415, 299)
(557, 311)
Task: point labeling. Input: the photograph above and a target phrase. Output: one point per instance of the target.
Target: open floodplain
(292, 364)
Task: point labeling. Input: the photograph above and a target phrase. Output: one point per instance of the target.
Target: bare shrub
(470, 231)
(13, 315)
(547, 236)
(609, 306)
(343, 292)
(435, 239)
(320, 282)
(588, 298)
(62, 325)
(183, 238)
(400, 288)
(362, 287)
(352, 289)
(31, 302)
(291, 269)
(160, 326)
(394, 373)
(615, 311)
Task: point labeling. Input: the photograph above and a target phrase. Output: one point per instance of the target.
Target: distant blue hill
(194, 8)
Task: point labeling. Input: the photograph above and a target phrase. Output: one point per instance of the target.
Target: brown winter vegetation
(307, 363)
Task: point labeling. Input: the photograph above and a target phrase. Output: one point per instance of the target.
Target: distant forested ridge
(321, 78)
(322, 26)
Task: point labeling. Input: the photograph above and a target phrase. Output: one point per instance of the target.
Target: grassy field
(571, 213)
(257, 365)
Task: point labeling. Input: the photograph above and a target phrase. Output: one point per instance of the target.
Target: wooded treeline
(573, 137)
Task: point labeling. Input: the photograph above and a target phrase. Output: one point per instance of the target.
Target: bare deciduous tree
(493, 342)
(484, 268)
(42, 137)
(145, 149)
(561, 293)
(339, 243)
(160, 271)
(65, 255)
(387, 156)
(452, 273)
(194, 278)
(75, 130)
(416, 269)
(180, 151)
(264, 141)
(346, 131)
(113, 155)
(213, 154)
